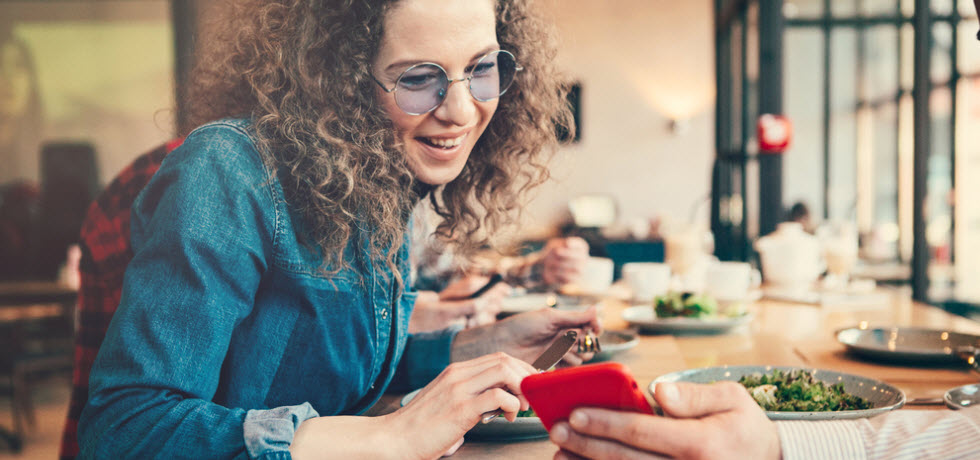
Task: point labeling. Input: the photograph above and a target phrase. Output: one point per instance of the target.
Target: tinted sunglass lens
(421, 88)
(492, 75)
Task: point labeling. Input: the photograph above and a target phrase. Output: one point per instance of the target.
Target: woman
(266, 302)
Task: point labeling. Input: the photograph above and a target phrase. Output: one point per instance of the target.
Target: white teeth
(445, 143)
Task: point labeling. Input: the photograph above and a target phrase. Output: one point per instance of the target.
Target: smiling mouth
(442, 143)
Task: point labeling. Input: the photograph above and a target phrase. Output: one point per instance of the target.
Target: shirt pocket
(327, 360)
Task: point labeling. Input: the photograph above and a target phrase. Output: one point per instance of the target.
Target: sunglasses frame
(449, 81)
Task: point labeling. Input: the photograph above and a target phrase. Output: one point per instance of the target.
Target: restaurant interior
(703, 128)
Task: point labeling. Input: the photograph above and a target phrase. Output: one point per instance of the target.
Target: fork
(589, 343)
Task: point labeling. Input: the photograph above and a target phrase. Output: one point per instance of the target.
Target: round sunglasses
(422, 87)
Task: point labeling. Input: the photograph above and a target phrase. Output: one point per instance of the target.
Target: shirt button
(384, 314)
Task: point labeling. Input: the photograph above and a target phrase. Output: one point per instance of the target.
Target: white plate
(499, 429)
(883, 397)
(527, 302)
(614, 342)
(907, 345)
(643, 317)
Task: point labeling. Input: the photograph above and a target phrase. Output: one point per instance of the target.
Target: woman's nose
(459, 106)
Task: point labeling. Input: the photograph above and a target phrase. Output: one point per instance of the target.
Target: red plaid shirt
(105, 254)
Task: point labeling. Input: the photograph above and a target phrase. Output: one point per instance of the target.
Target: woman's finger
(497, 398)
(507, 375)
(464, 370)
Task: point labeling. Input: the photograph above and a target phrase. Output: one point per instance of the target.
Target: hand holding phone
(553, 395)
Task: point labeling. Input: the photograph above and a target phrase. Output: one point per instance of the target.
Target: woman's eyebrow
(406, 63)
(484, 51)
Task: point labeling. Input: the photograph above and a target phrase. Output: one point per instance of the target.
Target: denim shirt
(228, 336)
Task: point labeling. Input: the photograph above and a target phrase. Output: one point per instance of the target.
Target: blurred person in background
(20, 109)
(800, 213)
(446, 288)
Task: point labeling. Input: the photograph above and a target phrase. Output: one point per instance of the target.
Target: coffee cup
(647, 279)
(731, 281)
(597, 275)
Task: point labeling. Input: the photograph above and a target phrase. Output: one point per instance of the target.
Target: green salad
(685, 304)
(798, 391)
(527, 413)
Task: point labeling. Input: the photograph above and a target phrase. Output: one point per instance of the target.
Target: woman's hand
(526, 336)
(712, 421)
(434, 422)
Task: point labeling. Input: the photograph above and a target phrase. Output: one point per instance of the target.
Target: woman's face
(454, 34)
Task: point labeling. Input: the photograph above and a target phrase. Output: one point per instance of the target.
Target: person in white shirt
(721, 420)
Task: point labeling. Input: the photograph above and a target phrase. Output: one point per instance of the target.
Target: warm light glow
(677, 95)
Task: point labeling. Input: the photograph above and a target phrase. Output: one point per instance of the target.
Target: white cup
(731, 281)
(647, 279)
(597, 275)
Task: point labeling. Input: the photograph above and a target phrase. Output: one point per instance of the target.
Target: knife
(549, 358)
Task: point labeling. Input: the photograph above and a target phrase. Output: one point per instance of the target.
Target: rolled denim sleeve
(268, 433)
(202, 231)
(426, 355)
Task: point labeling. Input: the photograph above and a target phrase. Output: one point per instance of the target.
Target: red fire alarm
(775, 133)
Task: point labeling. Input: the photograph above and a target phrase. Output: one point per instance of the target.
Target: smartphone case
(553, 395)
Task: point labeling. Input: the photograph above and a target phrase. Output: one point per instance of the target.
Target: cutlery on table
(971, 355)
(589, 343)
(938, 401)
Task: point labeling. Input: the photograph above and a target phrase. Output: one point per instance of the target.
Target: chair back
(69, 182)
(106, 251)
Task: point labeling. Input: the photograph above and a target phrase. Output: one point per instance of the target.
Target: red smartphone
(553, 395)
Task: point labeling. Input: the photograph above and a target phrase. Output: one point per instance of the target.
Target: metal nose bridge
(449, 83)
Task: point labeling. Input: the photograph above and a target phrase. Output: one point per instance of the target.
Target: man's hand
(716, 421)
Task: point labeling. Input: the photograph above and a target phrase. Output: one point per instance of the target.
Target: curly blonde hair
(300, 70)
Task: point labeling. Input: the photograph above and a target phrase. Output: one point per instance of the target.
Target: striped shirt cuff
(829, 440)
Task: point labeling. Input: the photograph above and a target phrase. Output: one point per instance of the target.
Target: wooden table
(18, 293)
(782, 334)
(22, 302)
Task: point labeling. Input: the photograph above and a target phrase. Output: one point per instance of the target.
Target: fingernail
(559, 433)
(668, 392)
(578, 419)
